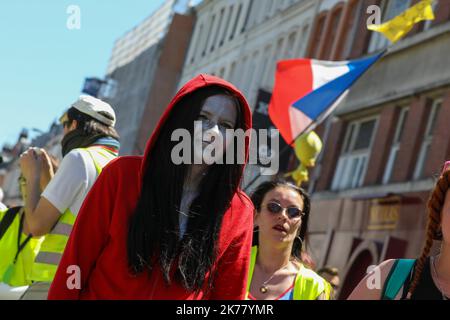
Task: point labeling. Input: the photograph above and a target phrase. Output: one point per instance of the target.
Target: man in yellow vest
(90, 142)
(17, 252)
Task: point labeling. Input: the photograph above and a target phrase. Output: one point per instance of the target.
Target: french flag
(306, 91)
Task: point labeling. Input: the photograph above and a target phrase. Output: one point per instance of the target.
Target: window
(331, 37)
(209, 35)
(290, 45)
(352, 164)
(390, 9)
(251, 73)
(317, 37)
(222, 73)
(345, 46)
(197, 43)
(236, 21)
(300, 51)
(395, 145)
(427, 139)
(243, 69)
(273, 64)
(269, 8)
(219, 25)
(264, 69)
(247, 17)
(232, 72)
(224, 34)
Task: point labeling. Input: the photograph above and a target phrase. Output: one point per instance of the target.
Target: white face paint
(218, 114)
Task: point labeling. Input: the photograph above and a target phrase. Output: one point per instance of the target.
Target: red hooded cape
(98, 242)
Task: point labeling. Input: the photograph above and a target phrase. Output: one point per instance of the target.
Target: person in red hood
(151, 229)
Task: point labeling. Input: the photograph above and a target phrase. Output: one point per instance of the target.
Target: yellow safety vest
(308, 284)
(46, 262)
(18, 271)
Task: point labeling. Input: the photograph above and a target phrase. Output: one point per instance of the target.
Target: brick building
(144, 68)
(385, 144)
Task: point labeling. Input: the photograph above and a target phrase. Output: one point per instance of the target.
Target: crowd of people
(99, 226)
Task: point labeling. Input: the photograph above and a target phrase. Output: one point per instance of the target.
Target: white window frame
(290, 46)
(352, 165)
(427, 139)
(403, 115)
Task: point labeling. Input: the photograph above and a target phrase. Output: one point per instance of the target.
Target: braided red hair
(435, 205)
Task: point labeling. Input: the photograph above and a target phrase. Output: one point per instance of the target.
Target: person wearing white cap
(90, 142)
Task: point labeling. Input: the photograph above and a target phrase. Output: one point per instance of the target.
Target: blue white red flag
(306, 91)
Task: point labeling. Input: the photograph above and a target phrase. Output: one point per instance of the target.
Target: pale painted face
(218, 114)
(279, 228)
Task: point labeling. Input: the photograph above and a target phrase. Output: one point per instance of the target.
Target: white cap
(93, 106)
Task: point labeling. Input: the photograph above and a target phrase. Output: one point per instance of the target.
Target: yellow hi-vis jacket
(308, 284)
(15, 268)
(50, 254)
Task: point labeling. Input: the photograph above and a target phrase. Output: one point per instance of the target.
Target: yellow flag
(307, 148)
(398, 27)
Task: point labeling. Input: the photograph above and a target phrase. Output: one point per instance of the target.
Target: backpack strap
(8, 219)
(400, 271)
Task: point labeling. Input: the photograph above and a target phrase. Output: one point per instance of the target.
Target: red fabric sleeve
(232, 269)
(88, 237)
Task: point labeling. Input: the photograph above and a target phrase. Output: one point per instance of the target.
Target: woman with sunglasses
(276, 268)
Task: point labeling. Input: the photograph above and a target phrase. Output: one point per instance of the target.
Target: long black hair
(153, 236)
(257, 199)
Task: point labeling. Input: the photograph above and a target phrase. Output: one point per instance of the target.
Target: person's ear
(74, 125)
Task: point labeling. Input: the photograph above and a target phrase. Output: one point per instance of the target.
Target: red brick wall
(411, 140)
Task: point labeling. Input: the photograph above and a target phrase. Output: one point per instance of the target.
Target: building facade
(139, 60)
(386, 143)
(241, 41)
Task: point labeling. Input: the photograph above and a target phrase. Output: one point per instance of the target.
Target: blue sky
(43, 64)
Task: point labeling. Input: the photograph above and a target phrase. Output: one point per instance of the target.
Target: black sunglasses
(292, 212)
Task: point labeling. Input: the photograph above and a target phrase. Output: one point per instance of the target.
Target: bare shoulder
(371, 286)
